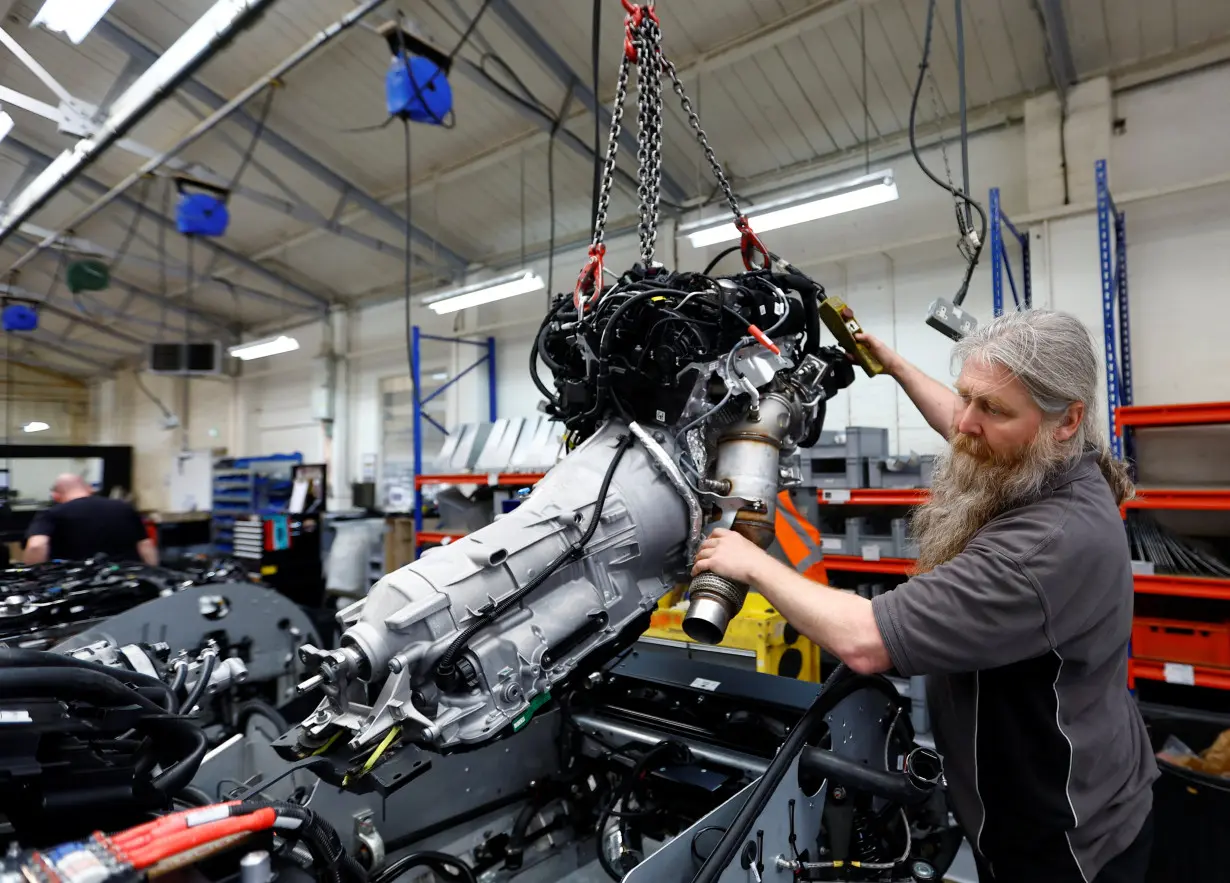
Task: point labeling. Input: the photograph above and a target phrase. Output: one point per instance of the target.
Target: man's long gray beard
(971, 486)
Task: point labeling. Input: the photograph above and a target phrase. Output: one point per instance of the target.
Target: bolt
(396, 665)
(839, 793)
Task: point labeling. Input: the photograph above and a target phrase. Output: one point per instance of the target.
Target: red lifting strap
(750, 244)
(589, 283)
(632, 21)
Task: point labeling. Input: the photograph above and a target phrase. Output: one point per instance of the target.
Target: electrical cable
(439, 862)
(718, 258)
(621, 793)
(446, 666)
(973, 257)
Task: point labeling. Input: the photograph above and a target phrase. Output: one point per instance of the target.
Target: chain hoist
(643, 48)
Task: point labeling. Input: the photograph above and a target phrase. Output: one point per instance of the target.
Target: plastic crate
(841, 458)
(905, 475)
(1173, 640)
(779, 649)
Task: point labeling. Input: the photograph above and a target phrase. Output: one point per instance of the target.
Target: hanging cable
(971, 250)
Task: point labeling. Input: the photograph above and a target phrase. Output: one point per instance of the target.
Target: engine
(681, 413)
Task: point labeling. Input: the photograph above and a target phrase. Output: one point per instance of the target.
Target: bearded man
(1019, 613)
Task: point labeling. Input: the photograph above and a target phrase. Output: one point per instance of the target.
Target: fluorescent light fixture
(72, 18)
(868, 190)
(6, 124)
(440, 375)
(259, 349)
(521, 282)
(35, 426)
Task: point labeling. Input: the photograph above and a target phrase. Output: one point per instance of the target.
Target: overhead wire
(973, 254)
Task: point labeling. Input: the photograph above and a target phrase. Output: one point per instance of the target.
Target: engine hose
(439, 862)
(837, 686)
(198, 689)
(812, 293)
(177, 684)
(13, 658)
(604, 348)
(176, 777)
(446, 666)
(818, 764)
(102, 690)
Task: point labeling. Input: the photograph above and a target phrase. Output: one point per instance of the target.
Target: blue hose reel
(201, 210)
(416, 88)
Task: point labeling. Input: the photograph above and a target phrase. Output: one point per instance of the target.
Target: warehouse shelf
(854, 564)
(1180, 673)
(875, 496)
(1193, 414)
(510, 479)
(1163, 498)
(1183, 586)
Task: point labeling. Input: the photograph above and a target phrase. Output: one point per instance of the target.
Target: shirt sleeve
(136, 526)
(975, 612)
(43, 525)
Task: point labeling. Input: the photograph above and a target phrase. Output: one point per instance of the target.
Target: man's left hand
(731, 555)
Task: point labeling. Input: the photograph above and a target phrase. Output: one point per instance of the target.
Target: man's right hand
(884, 354)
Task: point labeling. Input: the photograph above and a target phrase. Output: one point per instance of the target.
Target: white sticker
(1144, 568)
(1179, 673)
(871, 553)
(660, 415)
(831, 544)
(592, 782)
(703, 684)
(493, 478)
(778, 307)
(20, 716)
(762, 309)
(836, 496)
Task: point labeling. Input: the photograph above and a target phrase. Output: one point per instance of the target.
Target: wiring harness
(187, 837)
(43, 604)
(88, 732)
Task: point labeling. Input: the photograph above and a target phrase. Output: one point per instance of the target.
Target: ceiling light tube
(35, 426)
(259, 349)
(6, 124)
(521, 282)
(73, 18)
(862, 192)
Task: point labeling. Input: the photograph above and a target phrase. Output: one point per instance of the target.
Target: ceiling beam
(68, 315)
(562, 71)
(1058, 45)
(197, 47)
(242, 261)
(314, 167)
(217, 322)
(72, 354)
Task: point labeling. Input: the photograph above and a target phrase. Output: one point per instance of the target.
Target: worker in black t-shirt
(82, 525)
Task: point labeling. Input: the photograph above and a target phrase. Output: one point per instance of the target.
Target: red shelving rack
(1200, 675)
(1194, 414)
(1165, 498)
(1183, 586)
(508, 479)
(854, 564)
(874, 497)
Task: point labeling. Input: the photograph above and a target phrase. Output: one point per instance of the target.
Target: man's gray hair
(1054, 356)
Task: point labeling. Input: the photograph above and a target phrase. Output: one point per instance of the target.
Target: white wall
(888, 262)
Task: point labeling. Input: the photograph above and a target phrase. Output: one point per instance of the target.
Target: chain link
(650, 62)
(648, 41)
(694, 120)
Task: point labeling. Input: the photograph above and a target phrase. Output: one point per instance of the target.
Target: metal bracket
(369, 837)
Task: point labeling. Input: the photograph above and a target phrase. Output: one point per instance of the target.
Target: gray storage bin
(841, 457)
(900, 472)
(897, 543)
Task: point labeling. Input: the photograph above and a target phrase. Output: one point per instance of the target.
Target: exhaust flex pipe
(747, 463)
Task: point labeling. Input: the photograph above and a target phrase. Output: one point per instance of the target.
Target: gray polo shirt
(1024, 637)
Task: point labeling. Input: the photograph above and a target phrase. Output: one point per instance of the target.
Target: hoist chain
(643, 47)
(648, 42)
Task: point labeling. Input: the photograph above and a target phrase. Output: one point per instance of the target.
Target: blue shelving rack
(1112, 250)
(487, 346)
(1000, 263)
(247, 485)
